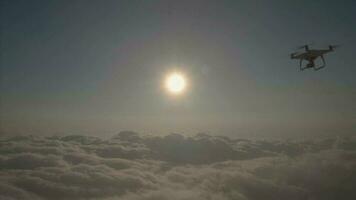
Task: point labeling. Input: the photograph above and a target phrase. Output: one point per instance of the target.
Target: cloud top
(134, 167)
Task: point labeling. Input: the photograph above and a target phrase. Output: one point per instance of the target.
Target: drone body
(311, 55)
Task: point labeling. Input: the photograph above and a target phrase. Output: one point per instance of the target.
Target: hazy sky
(96, 67)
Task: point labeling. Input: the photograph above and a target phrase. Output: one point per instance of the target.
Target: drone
(311, 55)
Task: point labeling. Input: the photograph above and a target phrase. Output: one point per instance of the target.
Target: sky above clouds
(96, 67)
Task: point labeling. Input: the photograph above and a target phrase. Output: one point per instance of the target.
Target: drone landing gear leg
(321, 67)
(300, 65)
(322, 58)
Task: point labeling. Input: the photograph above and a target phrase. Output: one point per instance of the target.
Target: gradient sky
(96, 67)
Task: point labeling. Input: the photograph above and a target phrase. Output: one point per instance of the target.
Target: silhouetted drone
(311, 55)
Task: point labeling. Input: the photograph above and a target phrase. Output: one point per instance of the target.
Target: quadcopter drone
(311, 55)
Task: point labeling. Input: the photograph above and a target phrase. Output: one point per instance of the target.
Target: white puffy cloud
(203, 167)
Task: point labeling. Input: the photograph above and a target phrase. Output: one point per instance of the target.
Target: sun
(175, 83)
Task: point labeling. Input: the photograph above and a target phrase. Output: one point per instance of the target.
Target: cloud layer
(134, 167)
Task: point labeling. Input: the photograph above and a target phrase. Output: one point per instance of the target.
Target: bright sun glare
(175, 83)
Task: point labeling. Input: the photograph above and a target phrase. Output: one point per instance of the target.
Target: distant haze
(96, 68)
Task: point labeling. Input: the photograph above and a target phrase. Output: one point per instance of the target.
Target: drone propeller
(304, 46)
(334, 46)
